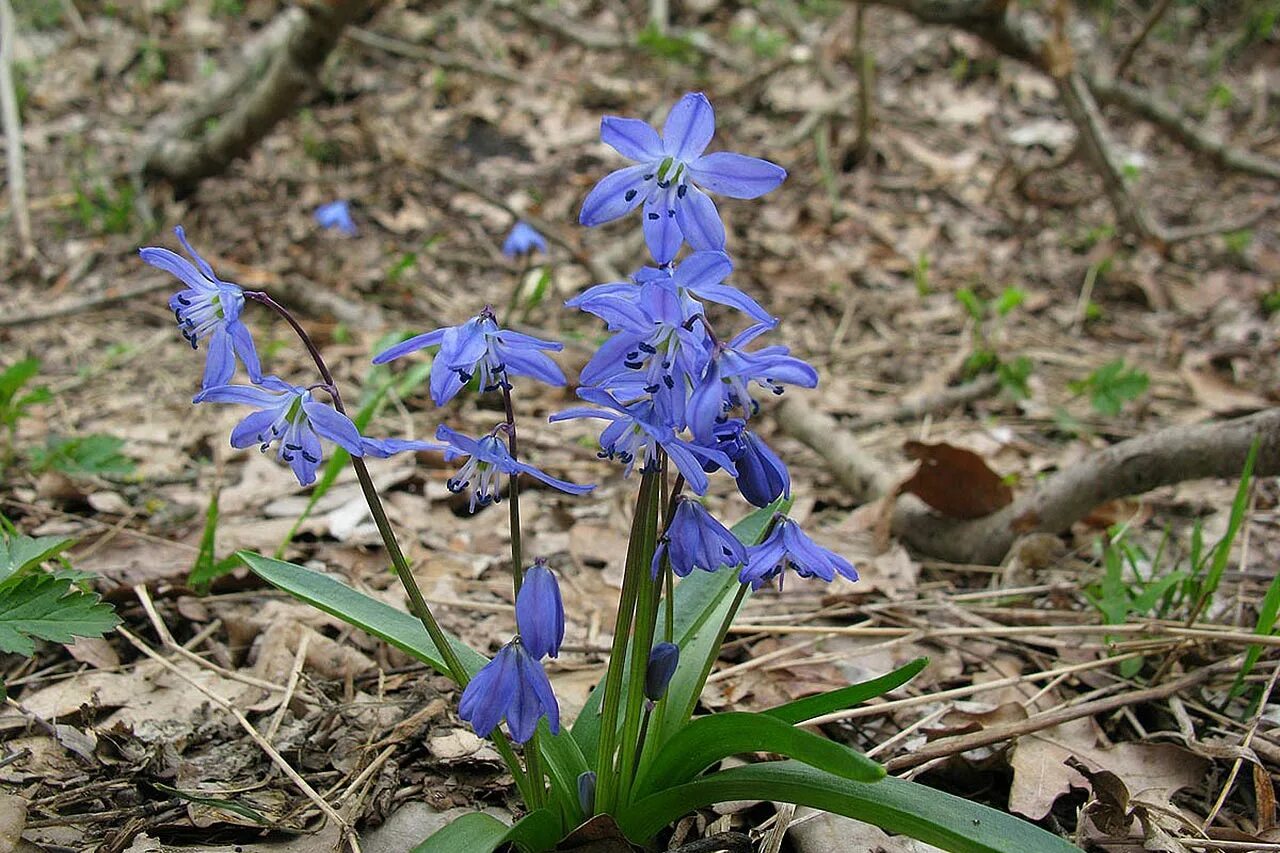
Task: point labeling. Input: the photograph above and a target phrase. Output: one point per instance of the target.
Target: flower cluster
(208, 309)
(665, 381)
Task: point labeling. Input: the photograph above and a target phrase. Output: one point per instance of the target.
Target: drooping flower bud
(587, 791)
(540, 611)
(662, 666)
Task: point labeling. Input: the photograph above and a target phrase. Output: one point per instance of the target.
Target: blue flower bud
(587, 791)
(662, 665)
(540, 611)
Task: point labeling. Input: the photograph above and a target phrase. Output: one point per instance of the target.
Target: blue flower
(699, 275)
(695, 540)
(522, 240)
(730, 370)
(635, 434)
(787, 545)
(761, 476)
(208, 308)
(287, 414)
(663, 659)
(540, 611)
(337, 214)
(512, 685)
(488, 459)
(667, 181)
(479, 347)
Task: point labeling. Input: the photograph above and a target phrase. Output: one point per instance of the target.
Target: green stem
(418, 604)
(606, 774)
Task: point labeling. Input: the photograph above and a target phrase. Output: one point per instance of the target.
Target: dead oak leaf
(956, 482)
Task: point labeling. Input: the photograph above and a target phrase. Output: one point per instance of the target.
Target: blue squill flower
(337, 214)
(667, 181)
(762, 477)
(480, 347)
(695, 540)
(289, 415)
(522, 240)
(209, 309)
(488, 460)
(540, 611)
(788, 546)
(513, 686)
(730, 370)
(700, 275)
(663, 659)
(635, 434)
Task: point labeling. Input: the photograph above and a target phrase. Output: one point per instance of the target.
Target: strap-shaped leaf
(355, 608)
(709, 739)
(893, 804)
(481, 833)
(846, 697)
(564, 763)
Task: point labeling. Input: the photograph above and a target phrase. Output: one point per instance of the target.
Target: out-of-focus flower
(337, 214)
(523, 240)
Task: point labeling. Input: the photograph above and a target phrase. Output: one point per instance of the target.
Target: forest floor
(915, 266)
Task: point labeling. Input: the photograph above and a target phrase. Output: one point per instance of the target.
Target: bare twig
(444, 60)
(193, 151)
(12, 122)
(1148, 25)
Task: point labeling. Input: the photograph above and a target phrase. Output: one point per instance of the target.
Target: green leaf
(846, 697)
(894, 805)
(50, 608)
(710, 739)
(1222, 551)
(478, 832)
(87, 455)
(701, 600)
(214, 802)
(19, 553)
(564, 763)
(1265, 627)
(14, 377)
(205, 570)
(1111, 386)
(381, 620)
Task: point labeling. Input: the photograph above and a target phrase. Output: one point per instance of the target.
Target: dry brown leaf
(1152, 772)
(94, 651)
(1219, 395)
(13, 819)
(954, 481)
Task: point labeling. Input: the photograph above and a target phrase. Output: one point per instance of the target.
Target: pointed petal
(487, 696)
(617, 194)
(242, 343)
(255, 424)
(535, 364)
(661, 229)
(689, 127)
(463, 443)
(736, 175)
(700, 221)
(220, 364)
(334, 426)
(562, 485)
(414, 344)
(701, 269)
(201, 263)
(247, 394)
(523, 341)
(174, 264)
(632, 138)
(382, 448)
(725, 294)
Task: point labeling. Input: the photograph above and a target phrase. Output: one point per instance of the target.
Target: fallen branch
(1173, 455)
(274, 80)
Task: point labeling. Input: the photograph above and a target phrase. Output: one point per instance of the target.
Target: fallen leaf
(954, 481)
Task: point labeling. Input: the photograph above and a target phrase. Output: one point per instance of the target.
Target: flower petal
(463, 443)
(417, 342)
(617, 194)
(736, 175)
(661, 230)
(247, 394)
(725, 294)
(555, 483)
(632, 138)
(247, 432)
(382, 448)
(201, 263)
(700, 221)
(334, 426)
(701, 269)
(540, 612)
(220, 365)
(486, 698)
(242, 343)
(174, 264)
(534, 364)
(689, 127)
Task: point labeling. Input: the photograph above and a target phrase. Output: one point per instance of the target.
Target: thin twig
(1147, 26)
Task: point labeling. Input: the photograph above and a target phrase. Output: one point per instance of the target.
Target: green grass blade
(1222, 551)
(1265, 627)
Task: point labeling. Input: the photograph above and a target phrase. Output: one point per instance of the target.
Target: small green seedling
(1111, 386)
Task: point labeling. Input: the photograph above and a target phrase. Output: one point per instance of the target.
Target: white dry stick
(12, 124)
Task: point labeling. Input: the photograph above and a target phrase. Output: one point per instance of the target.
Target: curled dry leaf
(956, 482)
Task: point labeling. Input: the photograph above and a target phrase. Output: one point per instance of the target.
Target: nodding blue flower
(208, 308)
(788, 546)
(695, 540)
(637, 431)
(540, 611)
(479, 347)
(729, 372)
(663, 659)
(489, 459)
(522, 240)
(762, 477)
(288, 414)
(337, 214)
(513, 686)
(587, 791)
(699, 275)
(667, 181)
